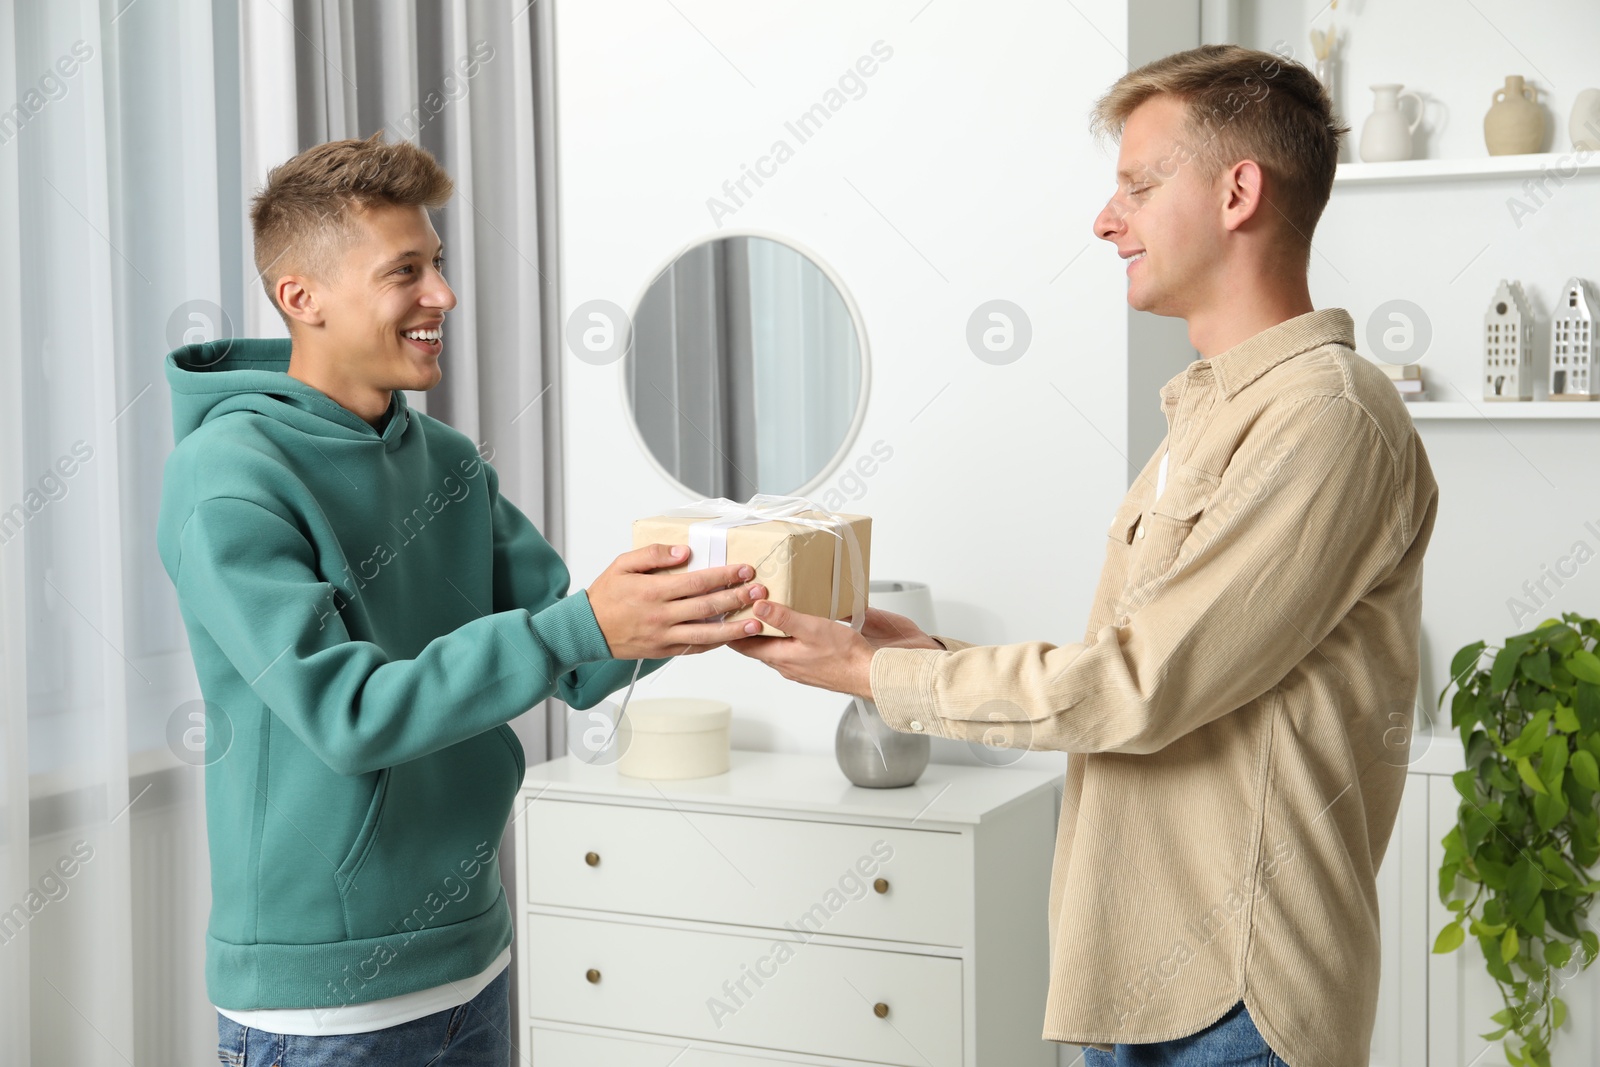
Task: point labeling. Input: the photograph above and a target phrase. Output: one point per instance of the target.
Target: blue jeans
(1231, 1041)
(476, 1034)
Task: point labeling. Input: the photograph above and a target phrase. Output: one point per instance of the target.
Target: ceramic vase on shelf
(869, 752)
(1515, 123)
(1386, 135)
(1584, 126)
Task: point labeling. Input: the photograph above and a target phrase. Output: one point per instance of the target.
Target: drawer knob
(592, 859)
(881, 1010)
(881, 885)
(593, 976)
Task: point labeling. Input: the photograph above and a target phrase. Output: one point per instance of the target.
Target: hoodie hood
(210, 380)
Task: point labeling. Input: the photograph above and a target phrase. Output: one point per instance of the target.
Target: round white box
(674, 737)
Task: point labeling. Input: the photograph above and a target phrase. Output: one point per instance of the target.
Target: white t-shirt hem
(374, 1014)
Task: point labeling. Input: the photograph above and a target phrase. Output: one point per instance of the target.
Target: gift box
(810, 560)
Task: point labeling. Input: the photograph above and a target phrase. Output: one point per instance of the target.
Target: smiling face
(1166, 218)
(375, 324)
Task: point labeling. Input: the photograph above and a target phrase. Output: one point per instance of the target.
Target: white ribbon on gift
(708, 541)
(708, 547)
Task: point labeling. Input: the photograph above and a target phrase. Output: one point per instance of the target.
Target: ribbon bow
(708, 547)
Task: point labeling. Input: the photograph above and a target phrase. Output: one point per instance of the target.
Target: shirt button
(915, 725)
(1141, 531)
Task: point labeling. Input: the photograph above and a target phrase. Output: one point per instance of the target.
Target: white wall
(963, 174)
(970, 145)
(1514, 497)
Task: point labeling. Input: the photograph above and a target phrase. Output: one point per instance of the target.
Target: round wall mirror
(746, 371)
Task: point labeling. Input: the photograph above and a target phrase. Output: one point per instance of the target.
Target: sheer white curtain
(132, 133)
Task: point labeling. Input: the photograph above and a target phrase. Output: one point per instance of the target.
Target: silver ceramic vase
(872, 755)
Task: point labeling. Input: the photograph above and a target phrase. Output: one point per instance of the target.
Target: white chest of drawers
(778, 914)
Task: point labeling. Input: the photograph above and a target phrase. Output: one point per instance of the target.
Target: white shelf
(1497, 410)
(1565, 164)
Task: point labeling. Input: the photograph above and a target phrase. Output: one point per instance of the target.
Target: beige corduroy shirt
(1238, 714)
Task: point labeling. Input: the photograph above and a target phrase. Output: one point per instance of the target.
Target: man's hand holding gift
(827, 654)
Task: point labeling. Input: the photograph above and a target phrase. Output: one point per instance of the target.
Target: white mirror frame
(857, 419)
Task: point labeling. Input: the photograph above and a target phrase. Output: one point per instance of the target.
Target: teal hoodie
(365, 612)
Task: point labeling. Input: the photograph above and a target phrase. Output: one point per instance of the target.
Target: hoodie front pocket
(427, 854)
(345, 876)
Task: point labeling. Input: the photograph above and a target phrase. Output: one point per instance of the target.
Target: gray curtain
(693, 393)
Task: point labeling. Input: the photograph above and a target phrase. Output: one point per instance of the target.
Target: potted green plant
(1515, 870)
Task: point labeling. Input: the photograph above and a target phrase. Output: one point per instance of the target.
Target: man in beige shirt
(1238, 713)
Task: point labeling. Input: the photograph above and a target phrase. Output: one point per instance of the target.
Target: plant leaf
(1549, 810)
(1523, 884)
(1464, 660)
(1478, 749)
(1586, 770)
(1477, 828)
(1566, 719)
(1537, 667)
(1535, 920)
(1560, 637)
(1447, 880)
(1505, 665)
(1450, 938)
(1531, 739)
(1509, 946)
(1584, 665)
(1492, 873)
(1587, 705)
(1553, 760)
(1529, 776)
(1555, 868)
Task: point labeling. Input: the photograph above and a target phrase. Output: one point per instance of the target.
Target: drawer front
(810, 876)
(559, 1048)
(751, 991)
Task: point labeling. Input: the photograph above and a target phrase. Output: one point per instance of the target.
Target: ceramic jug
(1515, 122)
(1386, 135)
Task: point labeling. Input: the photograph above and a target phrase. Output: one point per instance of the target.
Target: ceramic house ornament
(1508, 345)
(1574, 354)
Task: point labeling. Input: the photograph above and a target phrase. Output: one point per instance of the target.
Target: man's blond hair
(1244, 104)
(305, 215)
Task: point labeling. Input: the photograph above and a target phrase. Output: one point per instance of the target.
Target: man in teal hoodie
(366, 612)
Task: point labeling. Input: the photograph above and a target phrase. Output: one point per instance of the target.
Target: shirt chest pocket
(1155, 536)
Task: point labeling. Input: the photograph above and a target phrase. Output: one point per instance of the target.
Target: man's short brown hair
(306, 213)
(1244, 104)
